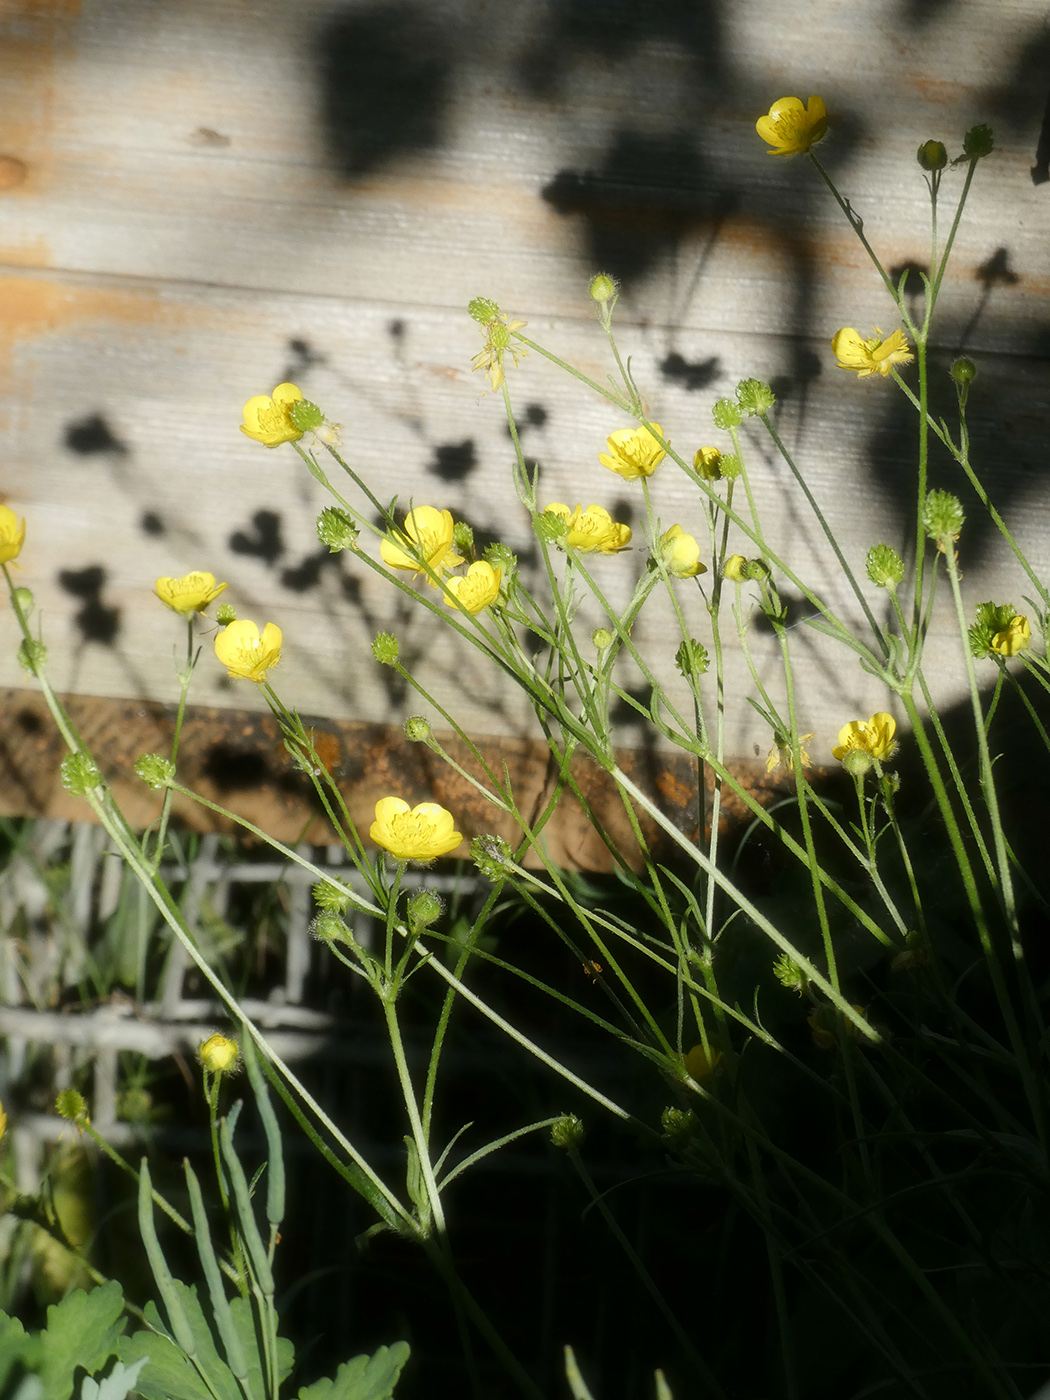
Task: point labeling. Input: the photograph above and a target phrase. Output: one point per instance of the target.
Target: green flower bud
(330, 897)
(417, 729)
(932, 156)
(707, 463)
(727, 414)
(32, 656)
(424, 909)
(790, 975)
(979, 142)
(482, 310)
(550, 526)
(336, 529)
(568, 1132)
(385, 649)
(754, 397)
(603, 288)
(79, 774)
(492, 856)
(964, 371)
(942, 518)
(757, 569)
(225, 613)
(691, 658)
(305, 415)
(857, 762)
(24, 601)
(602, 638)
(885, 566)
(730, 466)
(679, 1125)
(462, 537)
(155, 771)
(328, 927)
(72, 1107)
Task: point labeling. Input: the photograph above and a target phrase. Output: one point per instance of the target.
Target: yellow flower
(12, 535)
(871, 356)
(219, 1054)
(874, 736)
(633, 452)
(592, 531)
(247, 655)
(423, 832)
(708, 463)
(497, 344)
(429, 533)
(266, 417)
(478, 589)
(735, 568)
(781, 753)
(190, 594)
(824, 1020)
(1014, 638)
(681, 553)
(700, 1064)
(791, 128)
(3, 1122)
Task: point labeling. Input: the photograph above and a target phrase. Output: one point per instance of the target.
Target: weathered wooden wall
(200, 198)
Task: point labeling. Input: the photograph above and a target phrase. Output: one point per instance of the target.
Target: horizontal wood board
(198, 200)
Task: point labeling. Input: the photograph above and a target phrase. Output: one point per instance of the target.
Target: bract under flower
(190, 594)
(426, 541)
(633, 452)
(591, 531)
(245, 653)
(871, 356)
(477, 589)
(1014, 638)
(681, 553)
(791, 128)
(873, 736)
(423, 832)
(267, 417)
(12, 535)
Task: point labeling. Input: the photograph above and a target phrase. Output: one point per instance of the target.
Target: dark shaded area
(916, 272)
(351, 587)
(385, 79)
(91, 436)
(533, 415)
(917, 14)
(454, 461)
(232, 769)
(97, 623)
(304, 358)
(691, 375)
(396, 329)
(29, 723)
(151, 523)
(307, 573)
(263, 540)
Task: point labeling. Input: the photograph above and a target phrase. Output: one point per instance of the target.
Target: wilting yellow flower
(423, 832)
(12, 535)
(735, 568)
(477, 589)
(791, 128)
(219, 1054)
(592, 531)
(633, 452)
(782, 754)
(247, 655)
(430, 531)
(497, 344)
(700, 1064)
(871, 356)
(266, 417)
(681, 553)
(190, 594)
(1013, 638)
(874, 736)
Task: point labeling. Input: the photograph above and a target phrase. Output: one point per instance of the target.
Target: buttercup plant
(863, 995)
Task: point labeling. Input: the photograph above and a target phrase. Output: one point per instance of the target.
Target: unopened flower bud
(328, 927)
(885, 566)
(708, 463)
(32, 656)
(735, 568)
(482, 310)
(754, 397)
(424, 909)
(385, 649)
(603, 288)
(568, 1132)
(79, 774)
(727, 414)
(943, 518)
(24, 601)
(964, 371)
(219, 1054)
(71, 1106)
(932, 156)
(757, 569)
(417, 729)
(336, 529)
(602, 638)
(155, 771)
(225, 613)
(979, 142)
(306, 416)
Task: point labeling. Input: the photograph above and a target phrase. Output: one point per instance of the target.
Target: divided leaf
(363, 1378)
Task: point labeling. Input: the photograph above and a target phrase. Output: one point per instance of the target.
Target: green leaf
(244, 1322)
(171, 1372)
(116, 1386)
(82, 1330)
(363, 1378)
(13, 1343)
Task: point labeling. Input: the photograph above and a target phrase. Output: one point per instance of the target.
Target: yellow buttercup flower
(12, 535)
(245, 653)
(423, 832)
(591, 531)
(871, 356)
(1014, 638)
(430, 531)
(735, 568)
(633, 452)
(266, 416)
(219, 1054)
(477, 589)
(791, 128)
(681, 553)
(190, 594)
(781, 753)
(3, 1122)
(874, 736)
(700, 1064)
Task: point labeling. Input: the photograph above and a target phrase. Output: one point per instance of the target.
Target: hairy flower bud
(417, 729)
(942, 518)
(328, 927)
(727, 414)
(79, 774)
(735, 568)
(424, 909)
(885, 566)
(754, 397)
(24, 601)
(482, 310)
(602, 638)
(155, 771)
(964, 371)
(932, 156)
(71, 1106)
(336, 529)
(568, 1132)
(979, 142)
(385, 649)
(603, 288)
(219, 1054)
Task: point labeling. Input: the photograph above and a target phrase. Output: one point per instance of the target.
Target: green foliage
(363, 1378)
(83, 1330)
